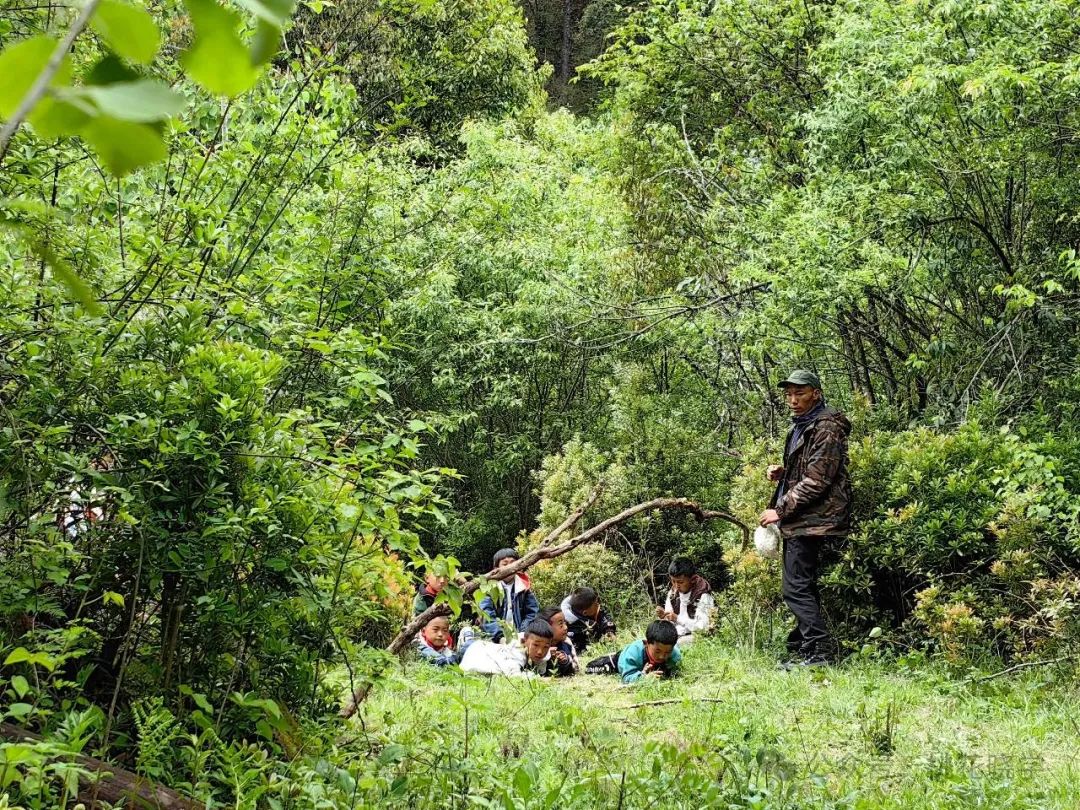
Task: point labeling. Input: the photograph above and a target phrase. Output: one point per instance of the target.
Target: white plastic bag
(767, 541)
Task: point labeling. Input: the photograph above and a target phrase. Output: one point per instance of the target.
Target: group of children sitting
(549, 642)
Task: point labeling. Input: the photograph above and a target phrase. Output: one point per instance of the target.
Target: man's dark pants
(802, 561)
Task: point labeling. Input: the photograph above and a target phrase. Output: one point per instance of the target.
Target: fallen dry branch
(111, 784)
(573, 518)
(544, 551)
(669, 701)
(1018, 667)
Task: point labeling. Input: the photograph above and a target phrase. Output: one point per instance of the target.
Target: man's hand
(659, 612)
(774, 472)
(769, 516)
(668, 616)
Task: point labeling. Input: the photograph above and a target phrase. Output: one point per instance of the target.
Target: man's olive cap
(801, 376)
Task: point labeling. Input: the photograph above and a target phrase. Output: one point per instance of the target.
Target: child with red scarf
(655, 656)
(435, 644)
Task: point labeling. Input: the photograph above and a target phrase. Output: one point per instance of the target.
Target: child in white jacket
(530, 657)
(689, 604)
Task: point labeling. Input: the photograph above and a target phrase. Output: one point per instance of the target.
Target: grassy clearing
(867, 734)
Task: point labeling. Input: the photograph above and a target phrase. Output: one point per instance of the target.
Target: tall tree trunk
(567, 41)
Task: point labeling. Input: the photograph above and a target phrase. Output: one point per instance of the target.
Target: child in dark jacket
(426, 593)
(564, 660)
(586, 618)
(515, 602)
(435, 644)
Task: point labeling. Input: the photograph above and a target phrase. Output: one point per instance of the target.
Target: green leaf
(53, 117)
(22, 655)
(128, 30)
(17, 656)
(265, 43)
(199, 699)
(20, 65)
(113, 597)
(19, 710)
(392, 753)
(20, 685)
(276, 12)
(523, 782)
(109, 69)
(218, 59)
(14, 753)
(143, 101)
(124, 145)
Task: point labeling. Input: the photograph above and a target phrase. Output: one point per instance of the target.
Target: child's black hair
(582, 599)
(662, 632)
(438, 616)
(538, 627)
(549, 613)
(504, 554)
(682, 567)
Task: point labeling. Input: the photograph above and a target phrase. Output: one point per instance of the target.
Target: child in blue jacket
(435, 644)
(515, 603)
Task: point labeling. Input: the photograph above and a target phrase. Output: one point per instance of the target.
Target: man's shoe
(793, 657)
(819, 655)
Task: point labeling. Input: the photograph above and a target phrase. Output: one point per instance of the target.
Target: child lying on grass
(586, 618)
(435, 644)
(564, 660)
(532, 655)
(654, 656)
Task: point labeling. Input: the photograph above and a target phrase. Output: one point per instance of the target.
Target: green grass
(771, 739)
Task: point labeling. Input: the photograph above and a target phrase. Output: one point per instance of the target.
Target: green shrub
(749, 610)
(622, 584)
(646, 544)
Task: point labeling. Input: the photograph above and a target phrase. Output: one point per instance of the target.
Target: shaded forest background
(445, 265)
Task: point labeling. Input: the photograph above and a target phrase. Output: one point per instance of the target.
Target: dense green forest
(302, 303)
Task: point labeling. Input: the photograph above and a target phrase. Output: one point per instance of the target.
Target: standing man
(812, 505)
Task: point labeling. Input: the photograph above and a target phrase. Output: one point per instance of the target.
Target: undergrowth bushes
(622, 585)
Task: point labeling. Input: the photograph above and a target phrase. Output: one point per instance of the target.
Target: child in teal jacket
(655, 656)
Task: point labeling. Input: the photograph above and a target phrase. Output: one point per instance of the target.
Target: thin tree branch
(1018, 667)
(41, 83)
(669, 701)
